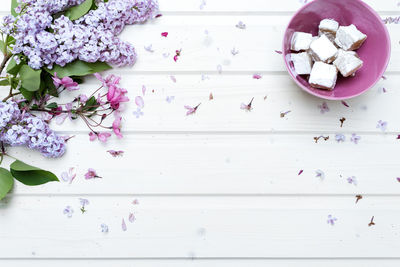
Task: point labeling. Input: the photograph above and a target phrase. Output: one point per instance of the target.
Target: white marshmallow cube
(349, 37)
(301, 41)
(323, 76)
(323, 50)
(348, 63)
(302, 63)
(328, 27)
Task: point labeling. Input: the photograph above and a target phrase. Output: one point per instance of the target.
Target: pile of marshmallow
(321, 57)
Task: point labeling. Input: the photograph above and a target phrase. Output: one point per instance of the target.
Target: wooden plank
(223, 113)
(207, 41)
(250, 6)
(187, 227)
(223, 164)
(203, 52)
(205, 262)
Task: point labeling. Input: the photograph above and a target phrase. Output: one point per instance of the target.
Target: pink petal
(144, 90)
(92, 136)
(139, 102)
(61, 118)
(257, 76)
(244, 106)
(131, 217)
(164, 34)
(123, 225)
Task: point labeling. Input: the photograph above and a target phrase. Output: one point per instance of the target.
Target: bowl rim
(389, 48)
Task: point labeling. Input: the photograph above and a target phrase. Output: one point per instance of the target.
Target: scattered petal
(138, 113)
(191, 110)
(247, 107)
(139, 102)
(132, 217)
(172, 77)
(352, 180)
(104, 228)
(278, 52)
(164, 34)
(331, 220)
(382, 125)
(355, 138)
(241, 25)
(115, 153)
(257, 76)
(123, 225)
(91, 174)
(320, 174)
(300, 172)
(68, 176)
(323, 108)
(340, 138)
(234, 51)
(68, 211)
(149, 48)
(210, 97)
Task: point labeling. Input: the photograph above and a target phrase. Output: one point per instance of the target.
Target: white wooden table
(221, 187)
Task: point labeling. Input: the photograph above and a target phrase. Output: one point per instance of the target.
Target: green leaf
(48, 83)
(78, 11)
(4, 82)
(13, 68)
(14, 4)
(3, 47)
(6, 182)
(91, 104)
(78, 68)
(30, 175)
(30, 78)
(52, 105)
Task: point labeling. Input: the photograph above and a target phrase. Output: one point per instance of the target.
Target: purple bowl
(375, 52)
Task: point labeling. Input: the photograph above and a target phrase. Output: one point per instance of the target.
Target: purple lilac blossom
(46, 41)
(23, 129)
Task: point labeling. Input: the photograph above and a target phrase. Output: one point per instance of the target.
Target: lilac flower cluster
(23, 129)
(91, 38)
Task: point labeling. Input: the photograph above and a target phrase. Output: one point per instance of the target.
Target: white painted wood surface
(220, 188)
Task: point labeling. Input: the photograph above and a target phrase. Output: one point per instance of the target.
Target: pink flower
(92, 136)
(164, 34)
(103, 137)
(116, 96)
(117, 127)
(62, 116)
(109, 80)
(191, 110)
(83, 98)
(66, 82)
(91, 174)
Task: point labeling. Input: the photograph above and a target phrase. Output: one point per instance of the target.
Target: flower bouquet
(48, 47)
